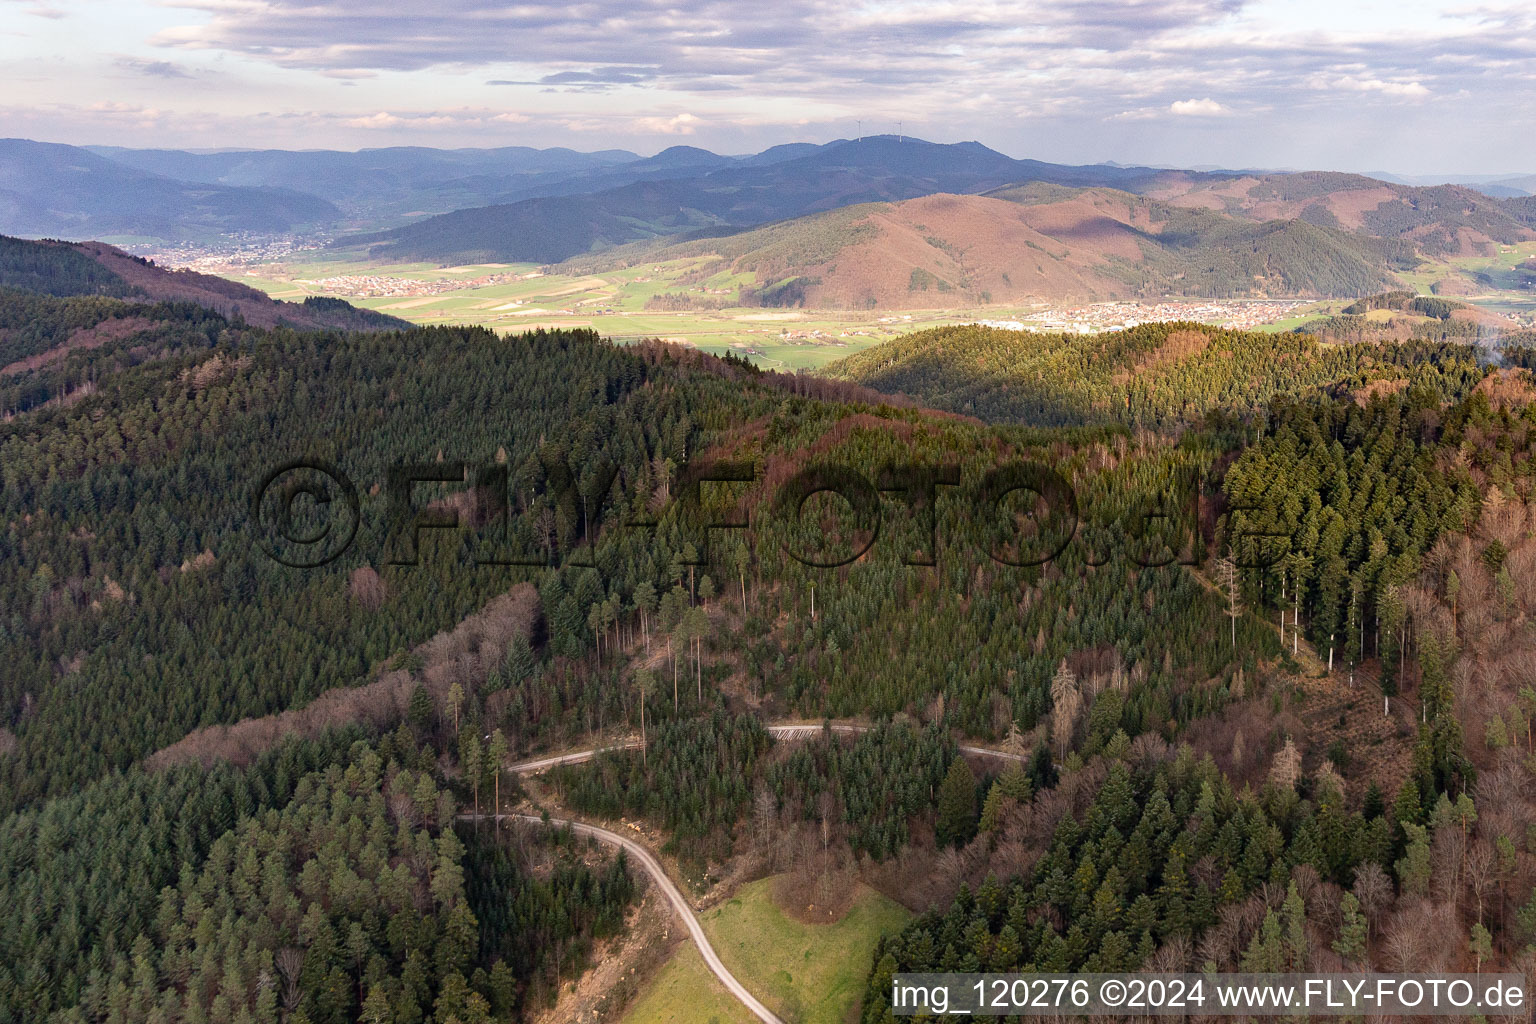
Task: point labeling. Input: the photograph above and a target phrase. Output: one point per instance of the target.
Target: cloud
(1198, 108)
(681, 124)
(153, 68)
(919, 59)
(1146, 77)
(416, 120)
(595, 80)
(1409, 90)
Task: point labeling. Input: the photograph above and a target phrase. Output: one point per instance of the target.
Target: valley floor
(622, 305)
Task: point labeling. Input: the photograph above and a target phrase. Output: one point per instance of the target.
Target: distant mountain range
(1498, 186)
(739, 193)
(393, 184)
(883, 220)
(524, 200)
(68, 192)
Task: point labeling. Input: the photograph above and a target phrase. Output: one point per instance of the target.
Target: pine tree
(741, 558)
(1352, 930)
(957, 805)
(993, 808)
(498, 760)
(1225, 571)
(472, 758)
(420, 708)
(645, 604)
(1415, 867)
(455, 702)
(1481, 945)
(519, 662)
(645, 685)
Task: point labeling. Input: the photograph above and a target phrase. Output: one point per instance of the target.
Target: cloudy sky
(1406, 86)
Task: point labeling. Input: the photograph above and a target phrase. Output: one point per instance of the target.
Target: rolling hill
(1440, 220)
(65, 191)
(1030, 243)
(1159, 375)
(741, 194)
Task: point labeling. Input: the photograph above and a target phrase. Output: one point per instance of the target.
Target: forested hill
(721, 192)
(1402, 315)
(1439, 220)
(1031, 243)
(1156, 375)
(233, 755)
(95, 268)
(144, 608)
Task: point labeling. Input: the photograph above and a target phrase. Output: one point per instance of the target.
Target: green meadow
(805, 973)
(612, 303)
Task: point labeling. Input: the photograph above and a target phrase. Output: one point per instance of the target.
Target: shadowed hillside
(95, 268)
(65, 191)
(881, 168)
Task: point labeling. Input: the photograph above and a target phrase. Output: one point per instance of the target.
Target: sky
(1410, 87)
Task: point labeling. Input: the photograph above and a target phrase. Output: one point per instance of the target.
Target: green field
(613, 303)
(1498, 270)
(806, 973)
(518, 297)
(685, 992)
(1316, 311)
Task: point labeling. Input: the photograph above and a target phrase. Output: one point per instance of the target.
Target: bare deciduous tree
(1287, 767)
(1373, 889)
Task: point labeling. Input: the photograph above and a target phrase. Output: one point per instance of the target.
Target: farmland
(679, 300)
(517, 297)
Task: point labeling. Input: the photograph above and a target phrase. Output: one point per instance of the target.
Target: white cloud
(682, 124)
(1249, 82)
(1350, 83)
(1198, 108)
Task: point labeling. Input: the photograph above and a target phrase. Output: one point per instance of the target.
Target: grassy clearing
(685, 992)
(805, 973)
(810, 973)
(1497, 268)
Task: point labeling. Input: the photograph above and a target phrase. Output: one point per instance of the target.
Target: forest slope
(1441, 220)
(94, 268)
(1154, 375)
(1040, 243)
(878, 168)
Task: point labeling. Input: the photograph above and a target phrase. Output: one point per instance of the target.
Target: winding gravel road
(783, 731)
(788, 731)
(640, 855)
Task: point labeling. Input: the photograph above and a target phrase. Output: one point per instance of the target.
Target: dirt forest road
(787, 731)
(638, 854)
